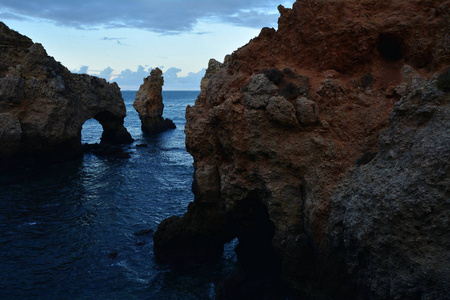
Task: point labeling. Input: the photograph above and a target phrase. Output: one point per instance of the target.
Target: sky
(122, 40)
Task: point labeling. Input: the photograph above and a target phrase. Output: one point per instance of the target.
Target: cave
(258, 272)
(254, 231)
(391, 47)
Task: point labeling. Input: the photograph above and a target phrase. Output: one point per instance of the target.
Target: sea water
(67, 231)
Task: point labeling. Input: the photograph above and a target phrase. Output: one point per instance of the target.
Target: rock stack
(149, 104)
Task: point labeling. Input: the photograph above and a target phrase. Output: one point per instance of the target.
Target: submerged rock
(141, 145)
(149, 104)
(43, 106)
(113, 255)
(279, 126)
(140, 243)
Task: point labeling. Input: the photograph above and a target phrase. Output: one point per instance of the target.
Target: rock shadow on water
(106, 150)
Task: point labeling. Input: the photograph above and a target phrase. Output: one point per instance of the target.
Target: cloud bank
(168, 17)
(131, 80)
(189, 82)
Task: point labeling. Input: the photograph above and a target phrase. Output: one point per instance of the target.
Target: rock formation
(279, 130)
(391, 215)
(43, 106)
(149, 104)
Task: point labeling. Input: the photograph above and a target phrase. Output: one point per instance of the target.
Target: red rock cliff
(278, 126)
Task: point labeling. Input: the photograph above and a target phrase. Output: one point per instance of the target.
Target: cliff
(149, 104)
(391, 215)
(43, 106)
(280, 127)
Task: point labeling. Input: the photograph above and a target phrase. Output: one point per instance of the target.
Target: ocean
(68, 231)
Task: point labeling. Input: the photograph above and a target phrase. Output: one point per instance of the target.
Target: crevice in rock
(366, 158)
(290, 85)
(391, 47)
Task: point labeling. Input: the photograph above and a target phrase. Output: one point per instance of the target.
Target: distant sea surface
(67, 231)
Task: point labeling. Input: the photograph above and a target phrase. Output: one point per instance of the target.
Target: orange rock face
(279, 124)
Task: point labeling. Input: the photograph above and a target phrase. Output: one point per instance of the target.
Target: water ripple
(67, 230)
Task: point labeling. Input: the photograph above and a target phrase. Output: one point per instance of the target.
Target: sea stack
(149, 104)
(43, 106)
(323, 147)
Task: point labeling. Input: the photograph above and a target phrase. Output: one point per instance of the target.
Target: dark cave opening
(391, 47)
(258, 273)
(255, 233)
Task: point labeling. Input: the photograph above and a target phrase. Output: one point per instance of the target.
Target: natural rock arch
(111, 128)
(43, 106)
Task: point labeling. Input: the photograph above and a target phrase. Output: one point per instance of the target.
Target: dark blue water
(67, 230)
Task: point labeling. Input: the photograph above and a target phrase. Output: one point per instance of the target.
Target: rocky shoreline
(43, 107)
(322, 146)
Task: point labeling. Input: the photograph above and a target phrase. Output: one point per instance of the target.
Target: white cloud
(168, 17)
(131, 80)
(189, 82)
(106, 73)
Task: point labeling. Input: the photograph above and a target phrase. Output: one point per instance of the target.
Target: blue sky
(122, 40)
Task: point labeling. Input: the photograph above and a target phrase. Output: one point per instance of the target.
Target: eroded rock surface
(43, 106)
(392, 215)
(280, 124)
(149, 104)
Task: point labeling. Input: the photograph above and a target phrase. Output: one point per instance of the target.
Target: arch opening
(91, 132)
(113, 130)
(391, 47)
